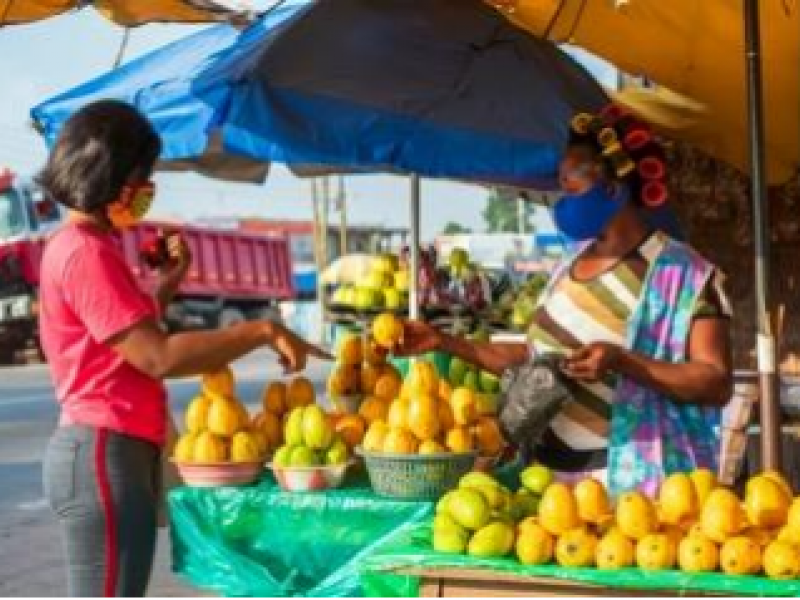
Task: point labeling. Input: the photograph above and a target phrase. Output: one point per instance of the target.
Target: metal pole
(342, 201)
(767, 363)
(413, 284)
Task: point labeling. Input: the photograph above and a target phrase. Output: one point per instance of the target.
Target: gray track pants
(103, 487)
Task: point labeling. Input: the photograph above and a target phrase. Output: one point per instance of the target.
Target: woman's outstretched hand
(418, 338)
(294, 351)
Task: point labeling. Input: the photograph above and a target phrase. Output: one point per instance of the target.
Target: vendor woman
(109, 356)
(641, 321)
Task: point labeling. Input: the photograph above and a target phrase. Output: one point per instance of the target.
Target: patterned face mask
(132, 205)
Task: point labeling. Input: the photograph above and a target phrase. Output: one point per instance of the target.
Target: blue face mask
(585, 216)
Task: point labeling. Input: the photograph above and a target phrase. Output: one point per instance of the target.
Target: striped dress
(579, 312)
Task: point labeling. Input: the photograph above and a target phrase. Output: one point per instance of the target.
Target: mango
(293, 429)
(387, 330)
(636, 515)
(274, 399)
(534, 546)
(766, 502)
(399, 440)
(244, 448)
(656, 552)
(197, 413)
(576, 548)
(782, 561)
(317, 430)
(300, 393)
(350, 350)
(209, 448)
(423, 416)
(704, 481)
(431, 447)
(338, 453)
(740, 555)
(558, 510)
(303, 456)
(184, 448)
(464, 403)
(450, 540)
(283, 456)
(592, 499)
(492, 541)
(722, 516)
(614, 551)
(468, 508)
(375, 436)
(224, 416)
(221, 383)
(536, 478)
(698, 554)
(677, 499)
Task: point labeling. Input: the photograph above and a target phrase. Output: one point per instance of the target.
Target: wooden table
(481, 583)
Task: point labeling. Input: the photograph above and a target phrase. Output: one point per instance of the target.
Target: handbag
(531, 395)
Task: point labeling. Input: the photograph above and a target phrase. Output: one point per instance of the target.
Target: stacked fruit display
(386, 287)
(278, 400)
(310, 440)
(516, 308)
(218, 426)
(362, 371)
(694, 525)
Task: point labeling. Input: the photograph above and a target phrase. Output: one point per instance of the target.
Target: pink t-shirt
(87, 296)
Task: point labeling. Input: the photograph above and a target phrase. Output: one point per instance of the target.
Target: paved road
(29, 544)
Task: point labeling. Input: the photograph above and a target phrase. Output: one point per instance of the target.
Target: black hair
(99, 149)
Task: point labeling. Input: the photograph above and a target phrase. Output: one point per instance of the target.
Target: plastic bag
(260, 541)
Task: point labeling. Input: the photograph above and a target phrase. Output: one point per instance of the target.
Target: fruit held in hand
(387, 330)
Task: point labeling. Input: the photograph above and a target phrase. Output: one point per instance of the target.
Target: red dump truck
(234, 276)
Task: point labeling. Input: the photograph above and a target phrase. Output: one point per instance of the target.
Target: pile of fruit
(310, 440)
(693, 525)
(218, 426)
(516, 308)
(362, 371)
(385, 287)
(462, 374)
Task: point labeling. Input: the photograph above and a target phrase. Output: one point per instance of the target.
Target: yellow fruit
(656, 552)
(697, 553)
(534, 545)
(369, 379)
(782, 561)
(431, 447)
(614, 551)
(558, 509)
(317, 429)
(261, 442)
(488, 437)
(400, 441)
(465, 406)
(197, 414)
(492, 541)
(184, 447)
(459, 439)
(344, 380)
(635, 515)
(793, 518)
(221, 383)
(766, 502)
(422, 378)
(244, 416)
(224, 416)
(760, 536)
(422, 417)
(374, 409)
(274, 399)
(270, 425)
(576, 548)
(789, 534)
(704, 481)
(780, 480)
(209, 448)
(244, 448)
(350, 350)
(740, 556)
(398, 413)
(593, 503)
(677, 499)
(722, 516)
(352, 429)
(387, 330)
(445, 412)
(300, 393)
(387, 386)
(468, 507)
(374, 438)
(373, 353)
(445, 391)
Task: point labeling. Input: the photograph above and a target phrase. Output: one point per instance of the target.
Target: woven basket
(416, 477)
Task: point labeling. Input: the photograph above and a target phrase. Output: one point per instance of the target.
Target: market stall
(265, 540)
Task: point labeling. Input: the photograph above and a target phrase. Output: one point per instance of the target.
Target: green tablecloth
(261, 541)
(413, 549)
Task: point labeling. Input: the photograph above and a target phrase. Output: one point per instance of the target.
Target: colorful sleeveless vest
(651, 436)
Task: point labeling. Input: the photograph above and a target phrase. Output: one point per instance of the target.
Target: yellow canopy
(124, 12)
(694, 48)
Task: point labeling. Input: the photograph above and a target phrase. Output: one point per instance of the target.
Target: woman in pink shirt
(109, 354)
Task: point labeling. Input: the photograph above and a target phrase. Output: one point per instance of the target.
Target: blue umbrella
(441, 88)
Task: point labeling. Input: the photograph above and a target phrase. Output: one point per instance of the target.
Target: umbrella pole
(413, 283)
(766, 346)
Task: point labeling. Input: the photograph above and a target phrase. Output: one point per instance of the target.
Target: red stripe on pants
(107, 501)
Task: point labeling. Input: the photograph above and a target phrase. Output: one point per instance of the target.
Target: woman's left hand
(180, 258)
(593, 362)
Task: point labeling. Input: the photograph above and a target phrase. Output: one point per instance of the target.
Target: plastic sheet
(413, 549)
(260, 541)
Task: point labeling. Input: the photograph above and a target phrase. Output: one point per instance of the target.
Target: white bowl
(310, 479)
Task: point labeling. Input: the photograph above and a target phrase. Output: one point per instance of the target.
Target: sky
(42, 59)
